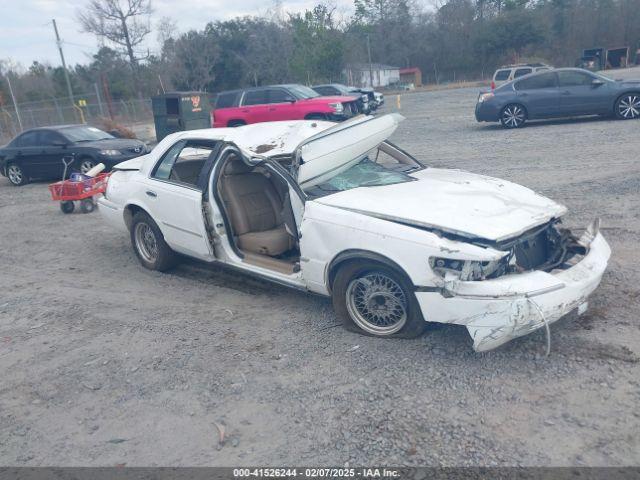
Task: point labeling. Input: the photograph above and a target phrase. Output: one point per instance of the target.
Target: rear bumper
(499, 310)
(112, 214)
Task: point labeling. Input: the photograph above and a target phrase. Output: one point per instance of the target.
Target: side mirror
(597, 82)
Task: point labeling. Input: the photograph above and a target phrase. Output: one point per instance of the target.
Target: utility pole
(370, 65)
(13, 98)
(64, 64)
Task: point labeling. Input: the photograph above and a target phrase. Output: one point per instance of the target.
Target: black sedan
(563, 92)
(43, 152)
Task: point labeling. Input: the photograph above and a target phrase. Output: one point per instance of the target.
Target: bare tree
(167, 29)
(124, 23)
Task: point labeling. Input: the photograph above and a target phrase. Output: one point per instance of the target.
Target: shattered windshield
(365, 173)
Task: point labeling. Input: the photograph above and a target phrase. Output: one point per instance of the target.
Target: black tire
(356, 275)
(150, 247)
(67, 207)
(513, 115)
(85, 164)
(316, 116)
(236, 123)
(16, 175)
(87, 205)
(627, 107)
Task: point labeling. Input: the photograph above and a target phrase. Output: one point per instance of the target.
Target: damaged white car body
(340, 211)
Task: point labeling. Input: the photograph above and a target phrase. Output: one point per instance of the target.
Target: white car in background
(507, 73)
(341, 211)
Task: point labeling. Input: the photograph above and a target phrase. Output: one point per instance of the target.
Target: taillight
(493, 85)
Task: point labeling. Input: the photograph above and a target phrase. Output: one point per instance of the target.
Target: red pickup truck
(279, 102)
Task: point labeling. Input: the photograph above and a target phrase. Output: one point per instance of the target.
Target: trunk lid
(338, 148)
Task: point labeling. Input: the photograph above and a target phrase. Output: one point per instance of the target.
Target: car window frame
(20, 139)
(516, 70)
(575, 72)
(524, 79)
(58, 136)
(279, 89)
(236, 97)
(509, 72)
(207, 165)
(248, 92)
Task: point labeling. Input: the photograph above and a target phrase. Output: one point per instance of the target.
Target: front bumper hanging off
(498, 310)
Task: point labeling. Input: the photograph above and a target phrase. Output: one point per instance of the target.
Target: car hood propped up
(453, 201)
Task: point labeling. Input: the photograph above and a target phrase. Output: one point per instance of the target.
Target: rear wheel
(16, 175)
(236, 123)
(513, 116)
(374, 299)
(87, 205)
(628, 106)
(149, 245)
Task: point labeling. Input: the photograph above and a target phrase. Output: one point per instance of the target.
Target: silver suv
(506, 73)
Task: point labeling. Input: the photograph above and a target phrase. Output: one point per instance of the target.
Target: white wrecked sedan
(341, 211)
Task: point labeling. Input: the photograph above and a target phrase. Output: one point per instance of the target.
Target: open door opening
(257, 206)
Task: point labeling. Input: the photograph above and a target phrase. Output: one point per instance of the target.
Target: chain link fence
(87, 108)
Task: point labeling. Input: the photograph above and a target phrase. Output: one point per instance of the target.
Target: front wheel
(628, 106)
(513, 116)
(149, 245)
(376, 300)
(16, 175)
(86, 164)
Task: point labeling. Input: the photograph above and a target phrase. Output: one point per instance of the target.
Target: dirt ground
(104, 363)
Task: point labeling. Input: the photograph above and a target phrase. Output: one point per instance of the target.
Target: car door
(255, 105)
(53, 150)
(539, 94)
(580, 96)
(26, 154)
(281, 105)
(173, 196)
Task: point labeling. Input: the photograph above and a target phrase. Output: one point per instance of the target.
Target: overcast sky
(26, 32)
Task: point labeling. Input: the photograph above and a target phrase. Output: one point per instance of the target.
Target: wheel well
(315, 116)
(129, 213)
(235, 122)
(633, 92)
(353, 256)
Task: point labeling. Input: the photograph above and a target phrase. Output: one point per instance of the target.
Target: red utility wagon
(68, 191)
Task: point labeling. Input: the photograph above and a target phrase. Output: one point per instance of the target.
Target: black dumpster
(179, 111)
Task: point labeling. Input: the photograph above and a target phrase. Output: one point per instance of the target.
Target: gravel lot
(104, 363)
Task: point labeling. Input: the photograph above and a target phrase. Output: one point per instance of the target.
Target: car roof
(54, 127)
(266, 138)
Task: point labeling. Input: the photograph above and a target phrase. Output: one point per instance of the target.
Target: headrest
(235, 166)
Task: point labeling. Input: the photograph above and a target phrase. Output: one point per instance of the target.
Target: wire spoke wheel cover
(146, 242)
(377, 303)
(629, 106)
(513, 116)
(15, 174)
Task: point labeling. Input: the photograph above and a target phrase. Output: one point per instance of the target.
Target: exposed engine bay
(544, 248)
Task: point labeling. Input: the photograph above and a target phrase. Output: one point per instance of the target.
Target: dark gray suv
(563, 92)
